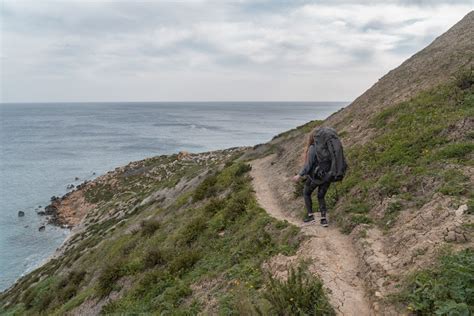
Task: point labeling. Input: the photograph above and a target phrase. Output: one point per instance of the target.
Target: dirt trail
(332, 253)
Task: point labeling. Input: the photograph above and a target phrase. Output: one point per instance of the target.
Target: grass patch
(445, 289)
(411, 148)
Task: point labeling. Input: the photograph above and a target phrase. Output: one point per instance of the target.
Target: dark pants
(309, 187)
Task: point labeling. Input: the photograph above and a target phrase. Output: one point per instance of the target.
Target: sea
(46, 146)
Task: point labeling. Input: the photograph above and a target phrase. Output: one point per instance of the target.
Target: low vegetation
(300, 294)
(418, 142)
(445, 289)
(216, 237)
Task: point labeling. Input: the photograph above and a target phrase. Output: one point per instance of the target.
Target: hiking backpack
(329, 148)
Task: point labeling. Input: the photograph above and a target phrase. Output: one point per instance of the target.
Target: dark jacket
(319, 162)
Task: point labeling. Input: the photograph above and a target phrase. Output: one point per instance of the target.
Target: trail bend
(332, 255)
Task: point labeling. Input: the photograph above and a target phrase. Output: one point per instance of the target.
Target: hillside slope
(408, 193)
(185, 234)
(432, 66)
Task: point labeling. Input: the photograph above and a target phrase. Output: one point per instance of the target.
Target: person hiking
(324, 162)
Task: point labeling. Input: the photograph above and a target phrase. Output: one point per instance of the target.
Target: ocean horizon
(44, 147)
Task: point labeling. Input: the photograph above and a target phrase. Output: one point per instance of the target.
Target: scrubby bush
(236, 205)
(153, 257)
(300, 294)
(465, 79)
(454, 183)
(149, 227)
(184, 261)
(470, 206)
(110, 274)
(298, 189)
(191, 231)
(206, 189)
(388, 184)
(446, 289)
(241, 169)
(357, 206)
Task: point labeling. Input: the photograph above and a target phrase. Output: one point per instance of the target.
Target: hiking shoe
(309, 218)
(324, 222)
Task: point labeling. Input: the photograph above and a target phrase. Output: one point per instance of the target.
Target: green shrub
(237, 205)
(192, 230)
(391, 213)
(149, 227)
(171, 298)
(213, 206)
(360, 219)
(129, 247)
(206, 188)
(454, 183)
(298, 189)
(153, 257)
(388, 184)
(110, 274)
(465, 79)
(242, 168)
(44, 299)
(68, 286)
(357, 206)
(470, 206)
(301, 294)
(456, 150)
(184, 261)
(446, 289)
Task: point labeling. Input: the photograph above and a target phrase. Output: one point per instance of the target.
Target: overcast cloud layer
(209, 50)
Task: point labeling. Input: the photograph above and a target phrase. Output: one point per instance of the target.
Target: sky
(329, 50)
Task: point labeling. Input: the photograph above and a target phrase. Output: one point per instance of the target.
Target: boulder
(21, 213)
(183, 155)
(42, 228)
(50, 210)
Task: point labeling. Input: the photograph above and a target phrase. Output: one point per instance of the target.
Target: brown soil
(331, 253)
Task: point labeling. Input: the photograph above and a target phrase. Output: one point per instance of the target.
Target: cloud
(201, 50)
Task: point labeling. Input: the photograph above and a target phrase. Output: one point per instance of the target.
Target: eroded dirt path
(332, 253)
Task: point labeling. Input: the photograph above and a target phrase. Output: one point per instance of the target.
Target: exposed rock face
(69, 210)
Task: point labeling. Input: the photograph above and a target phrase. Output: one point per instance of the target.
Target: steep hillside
(408, 194)
(187, 234)
(432, 66)
(169, 235)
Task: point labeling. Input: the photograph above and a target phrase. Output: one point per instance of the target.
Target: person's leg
(322, 190)
(309, 187)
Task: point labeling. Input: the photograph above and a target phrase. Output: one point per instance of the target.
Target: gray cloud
(201, 50)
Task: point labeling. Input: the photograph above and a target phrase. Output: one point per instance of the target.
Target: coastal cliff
(203, 233)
